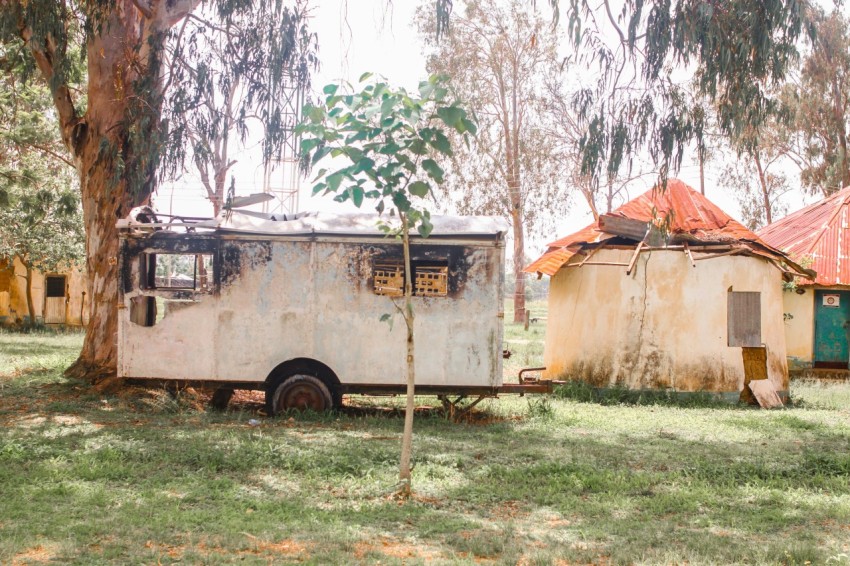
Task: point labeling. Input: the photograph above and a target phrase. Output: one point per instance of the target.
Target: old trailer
(307, 307)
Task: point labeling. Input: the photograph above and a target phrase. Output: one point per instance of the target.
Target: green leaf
(357, 196)
(434, 171)
(387, 106)
(308, 144)
(365, 76)
(469, 126)
(419, 188)
(425, 228)
(320, 154)
(380, 207)
(441, 143)
(418, 147)
(451, 115)
(401, 201)
(330, 89)
(334, 181)
(316, 114)
(363, 164)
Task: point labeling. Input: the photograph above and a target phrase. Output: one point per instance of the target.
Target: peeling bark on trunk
(407, 436)
(519, 264)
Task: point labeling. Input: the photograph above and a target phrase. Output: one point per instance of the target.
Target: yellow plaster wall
(13, 298)
(663, 326)
(799, 327)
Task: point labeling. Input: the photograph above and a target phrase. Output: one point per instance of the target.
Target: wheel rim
(301, 396)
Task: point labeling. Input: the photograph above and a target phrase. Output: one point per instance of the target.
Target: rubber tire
(301, 392)
(221, 398)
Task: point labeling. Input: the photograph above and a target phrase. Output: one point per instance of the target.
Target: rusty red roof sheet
(818, 233)
(687, 211)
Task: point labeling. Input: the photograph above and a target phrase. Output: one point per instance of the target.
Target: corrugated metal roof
(818, 232)
(687, 211)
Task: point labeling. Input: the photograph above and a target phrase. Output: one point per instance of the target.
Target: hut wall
(662, 327)
(13, 297)
(799, 327)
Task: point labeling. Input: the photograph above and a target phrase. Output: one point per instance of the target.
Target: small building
(817, 311)
(664, 293)
(58, 297)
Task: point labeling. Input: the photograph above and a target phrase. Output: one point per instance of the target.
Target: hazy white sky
(356, 36)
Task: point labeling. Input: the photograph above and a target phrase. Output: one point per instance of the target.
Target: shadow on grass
(583, 392)
(491, 492)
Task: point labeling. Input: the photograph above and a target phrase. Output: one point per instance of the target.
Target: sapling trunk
(407, 436)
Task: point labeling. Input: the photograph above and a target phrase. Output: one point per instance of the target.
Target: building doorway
(55, 299)
(832, 325)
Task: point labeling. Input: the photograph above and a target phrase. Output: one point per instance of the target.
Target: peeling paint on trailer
(279, 298)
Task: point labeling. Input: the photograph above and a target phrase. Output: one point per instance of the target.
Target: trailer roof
(307, 223)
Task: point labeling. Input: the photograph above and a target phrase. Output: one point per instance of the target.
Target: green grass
(142, 477)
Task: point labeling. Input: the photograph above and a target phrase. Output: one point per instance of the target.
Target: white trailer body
(248, 302)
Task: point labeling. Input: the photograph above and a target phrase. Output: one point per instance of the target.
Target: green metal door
(832, 323)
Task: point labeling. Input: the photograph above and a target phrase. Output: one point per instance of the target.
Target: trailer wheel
(300, 392)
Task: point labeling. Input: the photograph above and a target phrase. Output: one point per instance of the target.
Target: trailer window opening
(178, 271)
(430, 278)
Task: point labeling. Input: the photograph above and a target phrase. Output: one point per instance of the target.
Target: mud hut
(58, 297)
(817, 311)
(664, 293)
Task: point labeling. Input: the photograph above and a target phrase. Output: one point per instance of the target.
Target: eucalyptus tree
(499, 56)
(821, 102)
(114, 130)
(738, 52)
(393, 147)
(232, 86)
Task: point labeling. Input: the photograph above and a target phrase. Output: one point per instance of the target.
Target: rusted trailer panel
(249, 301)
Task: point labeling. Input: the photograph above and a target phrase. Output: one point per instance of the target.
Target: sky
(357, 36)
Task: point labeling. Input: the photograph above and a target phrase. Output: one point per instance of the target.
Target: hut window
(178, 271)
(430, 279)
(55, 286)
(744, 319)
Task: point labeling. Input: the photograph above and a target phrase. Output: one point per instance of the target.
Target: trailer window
(430, 279)
(178, 271)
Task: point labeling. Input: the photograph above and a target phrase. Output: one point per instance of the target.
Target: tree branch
(179, 9)
(44, 56)
(143, 8)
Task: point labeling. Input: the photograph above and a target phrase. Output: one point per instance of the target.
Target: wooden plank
(54, 310)
(765, 393)
(690, 255)
(743, 319)
(634, 258)
(597, 263)
(736, 251)
(590, 254)
(755, 369)
(626, 227)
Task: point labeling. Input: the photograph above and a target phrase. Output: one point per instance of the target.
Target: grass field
(144, 478)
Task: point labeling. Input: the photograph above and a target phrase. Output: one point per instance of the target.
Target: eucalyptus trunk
(765, 190)
(407, 436)
(30, 302)
(519, 265)
(113, 151)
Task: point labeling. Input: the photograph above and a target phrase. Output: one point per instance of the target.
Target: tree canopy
(117, 128)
